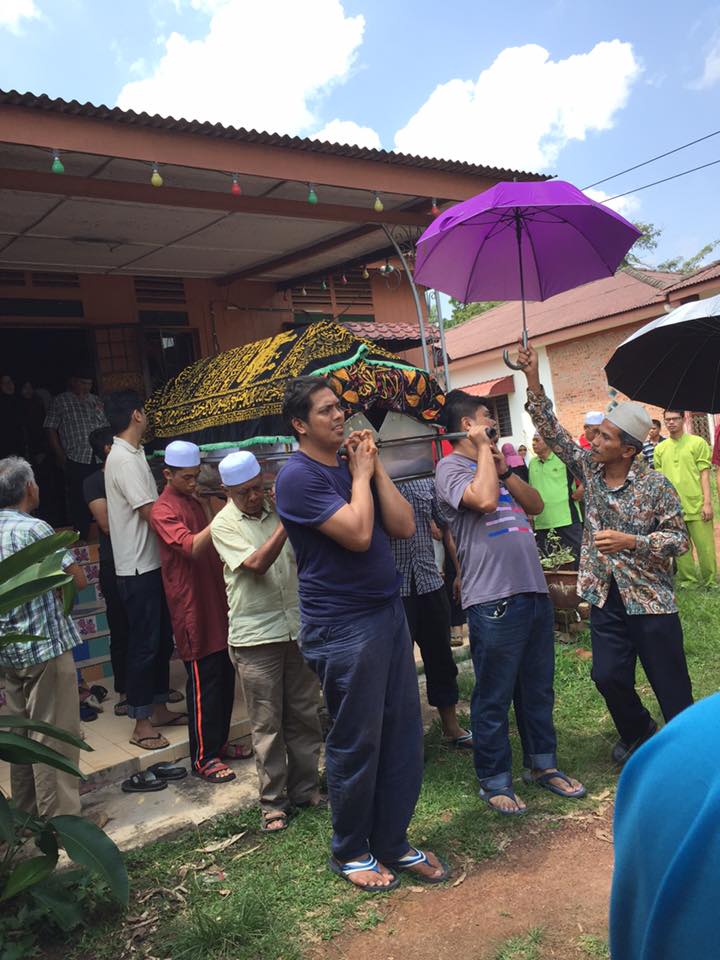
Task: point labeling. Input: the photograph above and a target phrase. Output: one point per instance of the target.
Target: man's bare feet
(507, 803)
(162, 717)
(377, 877)
(274, 820)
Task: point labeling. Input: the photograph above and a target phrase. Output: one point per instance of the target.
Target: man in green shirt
(684, 459)
(561, 496)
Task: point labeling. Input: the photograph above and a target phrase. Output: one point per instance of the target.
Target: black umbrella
(674, 361)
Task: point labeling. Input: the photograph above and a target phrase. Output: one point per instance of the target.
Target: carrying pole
(416, 298)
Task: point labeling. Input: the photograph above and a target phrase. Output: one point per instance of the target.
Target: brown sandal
(214, 771)
(142, 742)
(236, 751)
(268, 818)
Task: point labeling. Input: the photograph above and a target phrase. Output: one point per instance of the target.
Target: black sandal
(145, 782)
(168, 771)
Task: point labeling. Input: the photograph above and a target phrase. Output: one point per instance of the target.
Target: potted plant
(557, 561)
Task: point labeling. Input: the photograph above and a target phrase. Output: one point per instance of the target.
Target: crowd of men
(326, 582)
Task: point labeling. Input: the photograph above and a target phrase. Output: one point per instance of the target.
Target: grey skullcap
(633, 418)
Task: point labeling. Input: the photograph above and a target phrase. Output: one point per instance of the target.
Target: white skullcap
(633, 418)
(237, 468)
(182, 453)
(593, 418)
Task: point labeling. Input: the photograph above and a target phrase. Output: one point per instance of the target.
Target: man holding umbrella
(633, 529)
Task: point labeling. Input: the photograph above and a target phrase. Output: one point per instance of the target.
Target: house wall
(472, 370)
(579, 382)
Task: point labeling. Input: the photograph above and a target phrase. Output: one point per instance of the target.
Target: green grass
(522, 948)
(277, 900)
(595, 948)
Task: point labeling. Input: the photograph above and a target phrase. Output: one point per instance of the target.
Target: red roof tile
(502, 325)
(492, 388)
(389, 331)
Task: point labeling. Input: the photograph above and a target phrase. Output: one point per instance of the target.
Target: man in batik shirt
(633, 529)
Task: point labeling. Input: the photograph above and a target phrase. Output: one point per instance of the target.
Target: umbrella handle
(506, 354)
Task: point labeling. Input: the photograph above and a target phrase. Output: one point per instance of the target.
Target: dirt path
(558, 880)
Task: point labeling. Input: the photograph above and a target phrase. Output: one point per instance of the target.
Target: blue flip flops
(346, 870)
(413, 858)
(544, 782)
(488, 795)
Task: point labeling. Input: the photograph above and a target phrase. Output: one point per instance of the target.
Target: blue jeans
(513, 653)
(374, 750)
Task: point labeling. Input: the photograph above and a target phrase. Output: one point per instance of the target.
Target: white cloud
(627, 207)
(263, 66)
(12, 12)
(347, 131)
(711, 68)
(524, 108)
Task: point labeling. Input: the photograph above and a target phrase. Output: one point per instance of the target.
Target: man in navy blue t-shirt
(338, 515)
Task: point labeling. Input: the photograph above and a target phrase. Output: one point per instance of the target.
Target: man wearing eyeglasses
(685, 459)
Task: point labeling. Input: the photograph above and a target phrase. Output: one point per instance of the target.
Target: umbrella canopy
(238, 395)
(673, 361)
(524, 241)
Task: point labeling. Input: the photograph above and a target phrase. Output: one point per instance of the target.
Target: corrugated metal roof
(628, 289)
(710, 272)
(42, 102)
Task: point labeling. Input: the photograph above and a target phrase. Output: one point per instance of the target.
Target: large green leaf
(7, 822)
(16, 749)
(66, 914)
(34, 553)
(27, 586)
(39, 726)
(9, 638)
(69, 593)
(26, 874)
(86, 844)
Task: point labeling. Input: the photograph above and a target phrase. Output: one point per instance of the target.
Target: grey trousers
(47, 691)
(282, 696)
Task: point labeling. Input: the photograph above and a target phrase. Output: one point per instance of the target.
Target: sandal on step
(214, 771)
(168, 771)
(145, 782)
(346, 871)
(175, 696)
(544, 782)
(488, 795)
(236, 751)
(178, 720)
(121, 707)
(158, 742)
(268, 818)
(415, 857)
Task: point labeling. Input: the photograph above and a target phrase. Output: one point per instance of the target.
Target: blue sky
(570, 87)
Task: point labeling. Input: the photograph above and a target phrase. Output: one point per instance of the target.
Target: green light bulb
(57, 165)
(312, 197)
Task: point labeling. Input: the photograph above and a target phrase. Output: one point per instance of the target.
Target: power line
(653, 159)
(675, 176)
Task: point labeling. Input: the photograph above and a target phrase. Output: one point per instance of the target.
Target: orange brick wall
(579, 382)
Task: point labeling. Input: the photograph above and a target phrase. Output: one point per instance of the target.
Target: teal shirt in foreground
(667, 843)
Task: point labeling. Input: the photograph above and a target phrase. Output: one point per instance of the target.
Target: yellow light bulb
(156, 180)
(378, 206)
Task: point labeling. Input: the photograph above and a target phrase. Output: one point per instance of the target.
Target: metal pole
(441, 328)
(418, 307)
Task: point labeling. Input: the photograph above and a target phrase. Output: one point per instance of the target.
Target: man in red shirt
(593, 419)
(193, 581)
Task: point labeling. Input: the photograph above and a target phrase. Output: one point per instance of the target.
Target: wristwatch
(504, 476)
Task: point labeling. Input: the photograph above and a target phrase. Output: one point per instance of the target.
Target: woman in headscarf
(514, 461)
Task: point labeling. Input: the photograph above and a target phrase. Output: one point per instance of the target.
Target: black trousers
(78, 514)
(150, 644)
(618, 639)
(118, 624)
(210, 693)
(570, 536)
(428, 617)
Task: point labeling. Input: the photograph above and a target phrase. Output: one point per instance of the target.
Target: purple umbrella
(522, 241)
